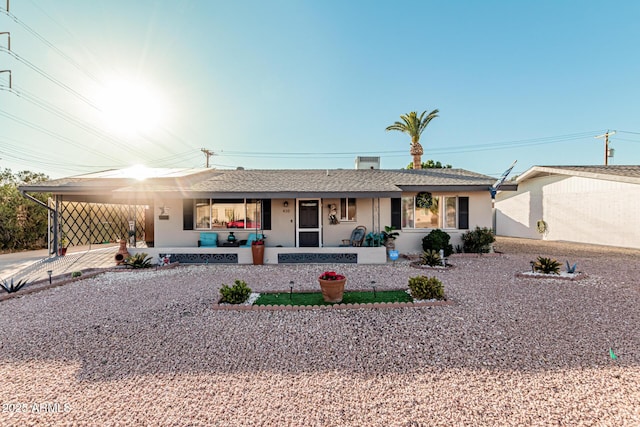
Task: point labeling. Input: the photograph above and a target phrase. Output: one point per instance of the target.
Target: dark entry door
(309, 223)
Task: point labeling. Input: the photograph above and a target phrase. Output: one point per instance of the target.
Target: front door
(308, 223)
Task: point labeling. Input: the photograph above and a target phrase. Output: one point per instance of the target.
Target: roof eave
(446, 188)
(537, 171)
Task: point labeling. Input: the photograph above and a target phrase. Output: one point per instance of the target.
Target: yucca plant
(546, 265)
(431, 258)
(10, 287)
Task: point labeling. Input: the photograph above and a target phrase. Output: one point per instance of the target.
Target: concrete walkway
(33, 265)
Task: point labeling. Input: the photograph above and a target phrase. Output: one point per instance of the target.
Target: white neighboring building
(585, 204)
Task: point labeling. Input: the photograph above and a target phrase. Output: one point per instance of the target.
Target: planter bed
(314, 300)
(561, 276)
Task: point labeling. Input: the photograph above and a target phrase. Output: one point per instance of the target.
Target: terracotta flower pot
(257, 251)
(332, 290)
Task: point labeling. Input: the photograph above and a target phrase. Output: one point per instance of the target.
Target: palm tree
(413, 125)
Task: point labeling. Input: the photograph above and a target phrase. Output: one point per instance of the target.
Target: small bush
(546, 266)
(478, 241)
(139, 260)
(431, 258)
(236, 294)
(76, 274)
(9, 287)
(423, 287)
(436, 240)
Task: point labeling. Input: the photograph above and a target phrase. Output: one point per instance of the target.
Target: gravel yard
(146, 348)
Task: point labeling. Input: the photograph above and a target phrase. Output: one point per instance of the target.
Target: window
(436, 212)
(348, 209)
(228, 213)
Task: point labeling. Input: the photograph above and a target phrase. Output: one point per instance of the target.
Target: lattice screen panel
(93, 223)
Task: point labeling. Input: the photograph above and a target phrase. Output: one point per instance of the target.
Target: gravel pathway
(145, 348)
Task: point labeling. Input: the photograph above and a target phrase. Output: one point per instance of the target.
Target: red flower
(331, 275)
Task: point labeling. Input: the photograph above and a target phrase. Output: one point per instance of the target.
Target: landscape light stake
(373, 284)
(49, 272)
(532, 264)
(291, 290)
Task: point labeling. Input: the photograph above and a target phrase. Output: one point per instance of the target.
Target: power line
(399, 153)
(50, 133)
(51, 78)
(49, 44)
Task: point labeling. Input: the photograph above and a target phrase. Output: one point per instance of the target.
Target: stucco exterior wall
(576, 209)
(169, 232)
(517, 212)
(374, 214)
(410, 240)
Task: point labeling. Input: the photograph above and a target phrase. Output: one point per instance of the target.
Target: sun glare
(139, 172)
(131, 107)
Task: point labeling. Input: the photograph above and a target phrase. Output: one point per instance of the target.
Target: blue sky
(312, 84)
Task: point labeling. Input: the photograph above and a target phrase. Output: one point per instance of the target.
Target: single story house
(306, 215)
(585, 204)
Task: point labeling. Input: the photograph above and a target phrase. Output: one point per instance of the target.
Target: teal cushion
(209, 240)
(252, 238)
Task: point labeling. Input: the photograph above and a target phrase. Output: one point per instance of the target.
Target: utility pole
(8, 39)
(207, 153)
(606, 145)
(7, 71)
(8, 48)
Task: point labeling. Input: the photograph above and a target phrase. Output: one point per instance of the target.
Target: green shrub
(546, 266)
(76, 274)
(423, 287)
(431, 258)
(436, 240)
(236, 294)
(139, 260)
(478, 241)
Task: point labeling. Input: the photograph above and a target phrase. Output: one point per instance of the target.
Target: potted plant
(332, 286)
(389, 237)
(62, 251)
(257, 250)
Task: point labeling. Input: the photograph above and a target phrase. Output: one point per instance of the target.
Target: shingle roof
(622, 173)
(251, 183)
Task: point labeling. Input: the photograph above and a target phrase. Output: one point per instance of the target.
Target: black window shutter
(266, 214)
(463, 213)
(187, 214)
(396, 213)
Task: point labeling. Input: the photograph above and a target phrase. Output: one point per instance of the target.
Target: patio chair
(357, 237)
(208, 240)
(252, 238)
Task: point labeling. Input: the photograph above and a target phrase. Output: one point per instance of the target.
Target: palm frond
(412, 124)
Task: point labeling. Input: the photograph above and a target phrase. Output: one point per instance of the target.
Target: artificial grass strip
(315, 298)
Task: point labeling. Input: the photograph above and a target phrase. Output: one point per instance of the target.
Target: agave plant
(431, 258)
(139, 260)
(546, 265)
(10, 287)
